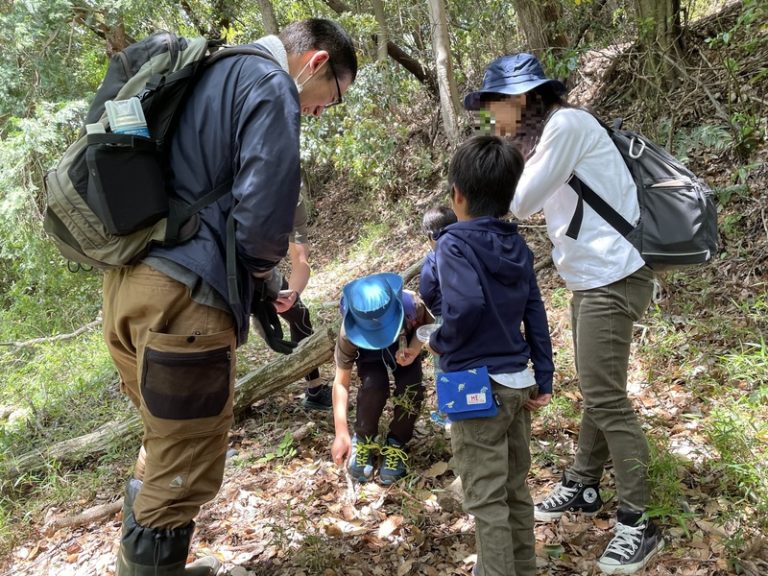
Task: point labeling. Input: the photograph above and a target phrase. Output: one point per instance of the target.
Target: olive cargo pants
(492, 457)
(176, 360)
(602, 320)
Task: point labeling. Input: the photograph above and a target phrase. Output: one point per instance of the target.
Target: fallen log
(88, 516)
(265, 380)
(412, 271)
(256, 385)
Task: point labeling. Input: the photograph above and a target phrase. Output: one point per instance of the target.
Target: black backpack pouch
(126, 187)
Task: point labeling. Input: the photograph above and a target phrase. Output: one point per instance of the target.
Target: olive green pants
(602, 320)
(176, 360)
(492, 456)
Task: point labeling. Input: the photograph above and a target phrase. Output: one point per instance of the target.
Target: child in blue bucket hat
(610, 283)
(378, 335)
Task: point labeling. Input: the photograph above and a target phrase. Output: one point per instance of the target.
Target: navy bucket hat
(373, 310)
(511, 75)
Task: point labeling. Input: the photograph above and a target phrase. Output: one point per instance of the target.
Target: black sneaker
(631, 548)
(569, 496)
(320, 398)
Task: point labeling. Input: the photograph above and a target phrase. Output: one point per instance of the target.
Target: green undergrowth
(52, 392)
(712, 350)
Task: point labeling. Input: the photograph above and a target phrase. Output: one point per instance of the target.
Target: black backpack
(107, 199)
(678, 215)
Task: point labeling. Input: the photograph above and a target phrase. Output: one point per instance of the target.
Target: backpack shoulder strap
(586, 194)
(235, 50)
(604, 210)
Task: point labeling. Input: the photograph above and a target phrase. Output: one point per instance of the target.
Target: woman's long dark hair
(539, 104)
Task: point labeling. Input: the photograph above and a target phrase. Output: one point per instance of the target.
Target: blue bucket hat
(512, 75)
(373, 310)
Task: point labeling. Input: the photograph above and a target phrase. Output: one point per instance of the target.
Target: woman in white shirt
(610, 283)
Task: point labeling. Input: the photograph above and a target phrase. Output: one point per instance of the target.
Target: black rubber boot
(131, 491)
(157, 551)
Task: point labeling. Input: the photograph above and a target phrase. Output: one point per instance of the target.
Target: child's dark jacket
(429, 289)
(475, 332)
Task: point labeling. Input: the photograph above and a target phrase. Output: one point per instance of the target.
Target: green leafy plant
(738, 430)
(317, 554)
(285, 450)
(664, 478)
(745, 35)
(560, 298)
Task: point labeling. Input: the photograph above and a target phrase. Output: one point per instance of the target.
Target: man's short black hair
(436, 218)
(321, 34)
(486, 169)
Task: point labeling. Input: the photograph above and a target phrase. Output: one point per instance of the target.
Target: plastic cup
(424, 332)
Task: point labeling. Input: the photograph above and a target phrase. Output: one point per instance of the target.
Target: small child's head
(437, 218)
(372, 308)
(484, 171)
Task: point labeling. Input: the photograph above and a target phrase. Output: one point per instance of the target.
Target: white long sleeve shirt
(573, 142)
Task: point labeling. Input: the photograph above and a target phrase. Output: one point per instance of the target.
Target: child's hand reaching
(342, 446)
(406, 356)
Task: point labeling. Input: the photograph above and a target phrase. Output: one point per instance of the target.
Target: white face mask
(300, 85)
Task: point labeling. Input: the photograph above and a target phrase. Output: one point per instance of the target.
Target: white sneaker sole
(631, 568)
(541, 516)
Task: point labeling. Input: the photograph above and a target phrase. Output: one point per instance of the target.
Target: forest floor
(285, 509)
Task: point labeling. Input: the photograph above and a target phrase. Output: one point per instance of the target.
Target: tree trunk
(540, 22)
(268, 17)
(415, 67)
(658, 22)
(222, 15)
(383, 35)
(449, 97)
(259, 384)
(115, 35)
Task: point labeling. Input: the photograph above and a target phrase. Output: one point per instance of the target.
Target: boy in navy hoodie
(489, 290)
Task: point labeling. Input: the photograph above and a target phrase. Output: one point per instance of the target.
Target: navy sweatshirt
(479, 260)
(429, 289)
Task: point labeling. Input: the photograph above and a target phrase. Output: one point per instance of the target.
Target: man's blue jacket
(240, 125)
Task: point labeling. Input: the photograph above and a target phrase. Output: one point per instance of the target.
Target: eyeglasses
(338, 88)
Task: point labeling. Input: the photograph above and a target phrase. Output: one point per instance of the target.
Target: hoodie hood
(497, 245)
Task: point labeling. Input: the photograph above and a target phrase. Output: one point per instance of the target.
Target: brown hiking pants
(176, 360)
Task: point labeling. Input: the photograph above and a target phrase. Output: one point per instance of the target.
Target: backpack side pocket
(126, 188)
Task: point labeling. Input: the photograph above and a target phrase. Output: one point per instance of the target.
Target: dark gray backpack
(107, 199)
(678, 215)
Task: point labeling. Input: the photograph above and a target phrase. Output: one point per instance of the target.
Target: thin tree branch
(57, 338)
(397, 54)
